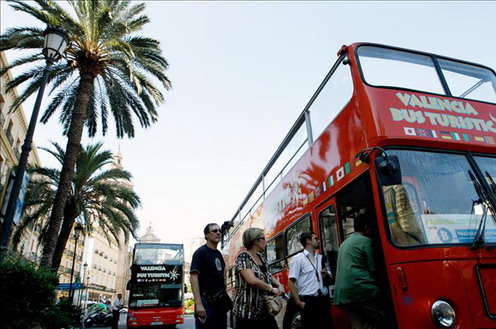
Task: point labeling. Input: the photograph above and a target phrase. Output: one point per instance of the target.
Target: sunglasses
(215, 231)
(261, 238)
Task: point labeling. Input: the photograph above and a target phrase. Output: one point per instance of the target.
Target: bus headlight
(443, 314)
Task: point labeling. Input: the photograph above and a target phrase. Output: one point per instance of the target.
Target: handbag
(221, 301)
(273, 304)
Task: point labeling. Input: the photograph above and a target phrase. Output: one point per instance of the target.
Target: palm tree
(108, 70)
(97, 195)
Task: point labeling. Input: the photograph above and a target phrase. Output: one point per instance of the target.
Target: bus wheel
(295, 321)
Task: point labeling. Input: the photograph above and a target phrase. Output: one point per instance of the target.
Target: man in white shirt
(306, 283)
(116, 307)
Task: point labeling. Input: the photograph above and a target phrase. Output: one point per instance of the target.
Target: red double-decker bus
(156, 292)
(408, 138)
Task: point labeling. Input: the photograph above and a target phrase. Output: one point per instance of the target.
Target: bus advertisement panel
(156, 286)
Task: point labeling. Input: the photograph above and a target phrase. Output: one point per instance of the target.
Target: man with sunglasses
(207, 281)
(306, 283)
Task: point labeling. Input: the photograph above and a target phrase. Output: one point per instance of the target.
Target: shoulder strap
(316, 272)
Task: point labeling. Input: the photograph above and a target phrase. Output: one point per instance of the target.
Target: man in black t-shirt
(207, 279)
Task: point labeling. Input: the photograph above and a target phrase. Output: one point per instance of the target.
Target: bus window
(351, 202)
(488, 166)
(293, 235)
(402, 211)
(444, 213)
(347, 226)
(387, 68)
(469, 81)
(275, 253)
(329, 234)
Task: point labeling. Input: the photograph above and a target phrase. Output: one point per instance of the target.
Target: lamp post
(56, 40)
(87, 296)
(77, 232)
(81, 289)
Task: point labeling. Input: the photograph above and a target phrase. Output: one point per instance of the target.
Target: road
(189, 323)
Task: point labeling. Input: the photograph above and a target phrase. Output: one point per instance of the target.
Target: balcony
(10, 138)
(17, 153)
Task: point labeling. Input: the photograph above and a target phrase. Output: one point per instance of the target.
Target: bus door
(355, 199)
(329, 243)
(336, 216)
(328, 234)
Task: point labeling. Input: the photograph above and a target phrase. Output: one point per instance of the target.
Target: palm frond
(105, 44)
(22, 38)
(61, 73)
(62, 97)
(19, 62)
(100, 192)
(38, 13)
(58, 153)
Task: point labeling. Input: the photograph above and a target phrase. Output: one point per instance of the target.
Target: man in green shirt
(356, 289)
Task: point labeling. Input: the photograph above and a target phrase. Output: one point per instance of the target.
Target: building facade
(13, 128)
(72, 264)
(108, 261)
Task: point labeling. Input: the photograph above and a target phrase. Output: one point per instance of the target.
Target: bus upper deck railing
(299, 139)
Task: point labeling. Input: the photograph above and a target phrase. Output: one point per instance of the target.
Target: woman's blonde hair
(250, 235)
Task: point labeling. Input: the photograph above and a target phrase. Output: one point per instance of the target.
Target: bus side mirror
(388, 170)
(185, 289)
(128, 285)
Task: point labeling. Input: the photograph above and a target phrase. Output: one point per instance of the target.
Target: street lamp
(87, 296)
(56, 40)
(77, 232)
(81, 289)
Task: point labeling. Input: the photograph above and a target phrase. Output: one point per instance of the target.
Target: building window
(10, 133)
(2, 116)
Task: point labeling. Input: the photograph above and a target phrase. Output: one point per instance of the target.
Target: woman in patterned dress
(253, 281)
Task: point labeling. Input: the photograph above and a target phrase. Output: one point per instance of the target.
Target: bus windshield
(157, 253)
(385, 67)
(156, 294)
(437, 202)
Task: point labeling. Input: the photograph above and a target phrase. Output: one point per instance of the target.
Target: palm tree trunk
(65, 233)
(73, 148)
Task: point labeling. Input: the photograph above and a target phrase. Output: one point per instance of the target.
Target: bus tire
(295, 322)
(292, 317)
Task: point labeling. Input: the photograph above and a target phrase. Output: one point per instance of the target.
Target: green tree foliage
(100, 192)
(109, 71)
(28, 297)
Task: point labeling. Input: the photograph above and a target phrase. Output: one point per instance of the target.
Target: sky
(241, 73)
